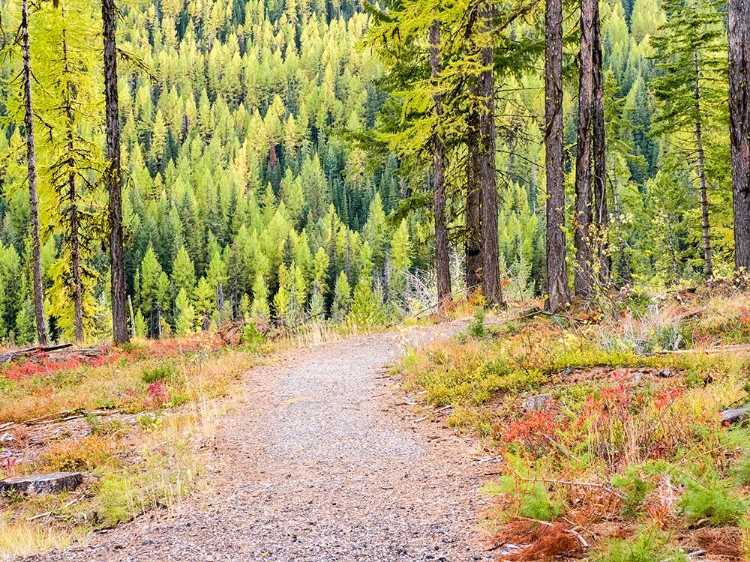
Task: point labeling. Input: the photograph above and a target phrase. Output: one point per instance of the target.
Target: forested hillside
(277, 159)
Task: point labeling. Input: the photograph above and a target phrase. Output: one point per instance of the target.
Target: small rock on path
(324, 461)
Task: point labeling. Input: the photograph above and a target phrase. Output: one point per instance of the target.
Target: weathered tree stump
(734, 415)
(41, 483)
(537, 403)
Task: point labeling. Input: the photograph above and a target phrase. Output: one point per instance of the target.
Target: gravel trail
(324, 460)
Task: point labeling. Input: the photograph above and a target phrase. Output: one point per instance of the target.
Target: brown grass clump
(544, 541)
(721, 541)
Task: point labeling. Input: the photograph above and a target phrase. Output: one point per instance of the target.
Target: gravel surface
(325, 460)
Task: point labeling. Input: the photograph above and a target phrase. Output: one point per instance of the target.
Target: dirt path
(324, 461)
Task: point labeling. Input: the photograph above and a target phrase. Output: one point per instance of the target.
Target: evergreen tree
(582, 233)
(151, 287)
(260, 309)
(183, 273)
(319, 284)
(442, 258)
(185, 314)
(690, 91)
(400, 262)
(41, 320)
(283, 296)
(341, 298)
(204, 299)
(367, 306)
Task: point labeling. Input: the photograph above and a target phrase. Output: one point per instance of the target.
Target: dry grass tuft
(541, 540)
(22, 538)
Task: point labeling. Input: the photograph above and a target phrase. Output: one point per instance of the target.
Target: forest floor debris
(628, 447)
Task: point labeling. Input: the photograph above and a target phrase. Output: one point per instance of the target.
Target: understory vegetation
(134, 420)
(607, 429)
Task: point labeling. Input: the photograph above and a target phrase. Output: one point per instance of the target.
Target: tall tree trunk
(113, 177)
(473, 212)
(600, 153)
(558, 292)
(75, 258)
(75, 246)
(705, 225)
(491, 286)
(739, 126)
(442, 257)
(583, 213)
(36, 245)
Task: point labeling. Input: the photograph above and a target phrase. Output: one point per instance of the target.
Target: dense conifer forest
(287, 160)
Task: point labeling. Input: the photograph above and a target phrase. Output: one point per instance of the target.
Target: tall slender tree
(65, 172)
(558, 292)
(113, 175)
(36, 247)
(691, 89)
(600, 151)
(473, 208)
(491, 286)
(442, 258)
(583, 277)
(739, 115)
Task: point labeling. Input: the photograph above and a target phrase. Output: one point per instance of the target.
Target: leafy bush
(160, 373)
(115, 502)
(532, 498)
(742, 471)
(106, 427)
(634, 490)
(713, 502)
(477, 386)
(149, 422)
(668, 337)
(648, 546)
(252, 338)
(87, 453)
(477, 328)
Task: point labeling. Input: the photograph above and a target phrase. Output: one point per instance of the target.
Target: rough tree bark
(36, 246)
(491, 286)
(113, 177)
(705, 225)
(558, 292)
(473, 212)
(739, 126)
(583, 213)
(442, 257)
(601, 215)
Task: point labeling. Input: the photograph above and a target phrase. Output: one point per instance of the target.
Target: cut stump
(537, 402)
(41, 483)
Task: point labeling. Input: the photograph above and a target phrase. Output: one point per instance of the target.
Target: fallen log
(734, 415)
(29, 351)
(735, 348)
(231, 333)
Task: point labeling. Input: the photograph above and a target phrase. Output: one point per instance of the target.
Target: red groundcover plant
(41, 364)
